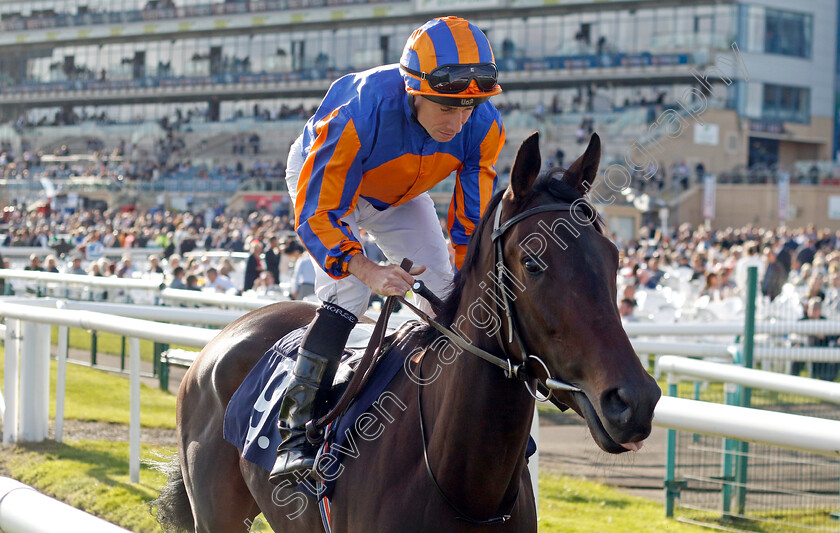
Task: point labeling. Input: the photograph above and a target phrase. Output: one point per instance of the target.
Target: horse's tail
(172, 506)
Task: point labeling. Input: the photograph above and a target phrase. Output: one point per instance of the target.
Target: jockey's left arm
(474, 184)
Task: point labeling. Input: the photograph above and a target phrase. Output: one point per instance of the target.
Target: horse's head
(564, 305)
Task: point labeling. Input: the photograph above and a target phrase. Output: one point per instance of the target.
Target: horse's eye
(532, 265)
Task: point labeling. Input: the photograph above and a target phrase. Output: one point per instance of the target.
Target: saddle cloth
(251, 416)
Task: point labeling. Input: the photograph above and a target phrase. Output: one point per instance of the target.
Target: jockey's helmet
(449, 61)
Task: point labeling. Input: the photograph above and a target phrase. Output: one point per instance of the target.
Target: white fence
(24, 510)
(753, 425)
(676, 367)
(27, 366)
(155, 289)
(801, 327)
(26, 251)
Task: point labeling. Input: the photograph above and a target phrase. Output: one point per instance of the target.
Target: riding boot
(318, 357)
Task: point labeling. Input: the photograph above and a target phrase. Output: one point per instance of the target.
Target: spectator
(126, 268)
(76, 266)
(217, 281)
(712, 288)
(51, 264)
(805, 254)
(750, 259)
(776, 275)
(700, 171)
(272, 257)
(34, 263)
(254, 266)
(192, 283)
(626, 308)
(178, 281)
(154, 265)
(303, 278)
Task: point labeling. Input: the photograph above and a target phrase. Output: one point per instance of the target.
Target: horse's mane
(547, 183)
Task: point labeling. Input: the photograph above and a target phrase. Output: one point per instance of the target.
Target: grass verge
(92, 394)
(92, 476)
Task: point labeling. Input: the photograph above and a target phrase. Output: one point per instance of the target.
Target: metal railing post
(61, 381)
(745, 393)
(11, 385)
(93, 342)
(134, 407)
(157, 351)
(672, 490)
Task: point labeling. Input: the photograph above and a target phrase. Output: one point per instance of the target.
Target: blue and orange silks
(364, 142)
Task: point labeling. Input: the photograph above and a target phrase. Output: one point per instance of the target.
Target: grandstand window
(788, 33)
(792, 104)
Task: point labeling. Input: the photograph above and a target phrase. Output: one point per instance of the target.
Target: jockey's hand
(389, 280)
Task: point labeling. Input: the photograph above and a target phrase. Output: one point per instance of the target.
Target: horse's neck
(477, 427)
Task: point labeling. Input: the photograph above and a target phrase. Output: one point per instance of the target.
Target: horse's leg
(219, 496)
(287, 508)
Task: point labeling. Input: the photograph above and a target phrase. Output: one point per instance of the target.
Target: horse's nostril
(616, 407)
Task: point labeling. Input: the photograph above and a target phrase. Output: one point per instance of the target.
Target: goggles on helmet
(454, 79)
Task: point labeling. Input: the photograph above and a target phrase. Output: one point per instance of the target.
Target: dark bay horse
(559, 270)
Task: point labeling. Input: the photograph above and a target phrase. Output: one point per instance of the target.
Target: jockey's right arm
(328, 190)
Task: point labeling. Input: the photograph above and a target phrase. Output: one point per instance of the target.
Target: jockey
(380, 140)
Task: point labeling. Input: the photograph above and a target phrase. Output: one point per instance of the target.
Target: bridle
(512, 369)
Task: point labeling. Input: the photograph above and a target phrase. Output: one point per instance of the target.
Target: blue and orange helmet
(449, 60)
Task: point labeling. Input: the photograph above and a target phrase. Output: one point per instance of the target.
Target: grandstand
(177, 90)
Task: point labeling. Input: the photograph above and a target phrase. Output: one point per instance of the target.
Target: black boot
(318, 358)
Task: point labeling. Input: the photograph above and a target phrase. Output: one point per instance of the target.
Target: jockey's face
(441, 122)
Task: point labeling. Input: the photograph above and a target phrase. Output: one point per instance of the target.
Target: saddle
(251, 416)
(355, 351)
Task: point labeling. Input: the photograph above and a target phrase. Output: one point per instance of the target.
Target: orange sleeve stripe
(322, 128)
(332, 189)
(461, 211)
(491, 146)
(460, 254)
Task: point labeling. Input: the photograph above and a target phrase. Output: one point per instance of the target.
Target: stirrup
(314, 434)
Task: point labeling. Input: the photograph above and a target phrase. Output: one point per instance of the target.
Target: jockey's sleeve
(475, 182)
(328, 189)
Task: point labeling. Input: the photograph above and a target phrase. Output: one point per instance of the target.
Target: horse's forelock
(551, 183)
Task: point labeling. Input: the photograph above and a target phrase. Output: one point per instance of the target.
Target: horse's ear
(581, 174)
(526, 166)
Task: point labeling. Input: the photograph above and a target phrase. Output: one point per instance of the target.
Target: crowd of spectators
(798, 266)
(70, 240)
(152, 10)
